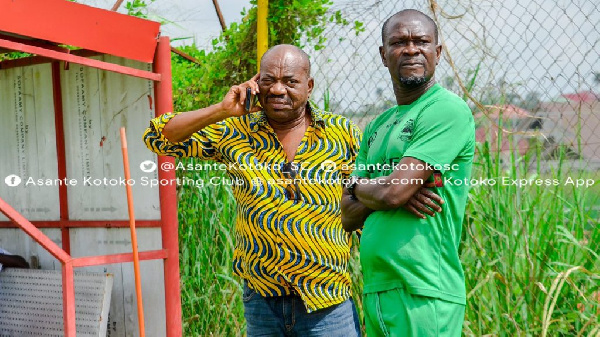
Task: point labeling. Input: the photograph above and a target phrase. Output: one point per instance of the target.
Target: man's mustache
(277, 99)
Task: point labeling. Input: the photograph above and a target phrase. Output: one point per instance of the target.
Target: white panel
(27, 136)
(96, 105)
(17, 242)
(123, 311)
(31, 303)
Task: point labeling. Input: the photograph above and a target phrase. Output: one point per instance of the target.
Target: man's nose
(411, 49)
(277, 89)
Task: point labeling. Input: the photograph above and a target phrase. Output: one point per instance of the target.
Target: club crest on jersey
(372, 138)
(407, 130)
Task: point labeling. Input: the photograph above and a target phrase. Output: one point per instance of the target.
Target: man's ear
(382, 53)
(438, 51)
(311, 84)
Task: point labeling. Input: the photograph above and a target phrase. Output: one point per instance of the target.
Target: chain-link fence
(531, 73)
(534, 65)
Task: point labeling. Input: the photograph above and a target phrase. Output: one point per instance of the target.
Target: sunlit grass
(530, 254)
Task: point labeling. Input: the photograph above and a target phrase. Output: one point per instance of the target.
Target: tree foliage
(138, 8)
(233, 58)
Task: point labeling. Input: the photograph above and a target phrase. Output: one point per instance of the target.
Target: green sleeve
(353, 148)
(361, 159)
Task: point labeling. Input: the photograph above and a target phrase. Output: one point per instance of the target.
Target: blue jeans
(287, 316)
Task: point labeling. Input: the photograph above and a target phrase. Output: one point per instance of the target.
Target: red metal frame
(34, 232)
(118, 258)
(86, 224)
(83, 26)
(29, 61)
(57, 252)
(168, 198)
(68, 286)
(61, 154)
(36, 43)
(68, 57)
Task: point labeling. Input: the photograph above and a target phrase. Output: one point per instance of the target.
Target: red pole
(163, 93)
(68, 286)
(34, 232)
(134, 244)
(61, 154)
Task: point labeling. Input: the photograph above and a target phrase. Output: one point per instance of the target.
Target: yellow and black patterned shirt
(284, 243)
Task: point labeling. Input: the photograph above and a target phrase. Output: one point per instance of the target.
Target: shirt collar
(258, 119)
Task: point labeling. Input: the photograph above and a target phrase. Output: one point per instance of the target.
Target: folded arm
(394, 190)
(402, 188)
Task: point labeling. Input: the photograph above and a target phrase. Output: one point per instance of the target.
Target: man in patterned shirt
(291, 249)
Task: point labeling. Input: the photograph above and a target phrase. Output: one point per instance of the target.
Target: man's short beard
(412, 81)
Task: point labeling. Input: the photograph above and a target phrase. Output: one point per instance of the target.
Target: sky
(187, 21)
(548, 46)
(192, 21)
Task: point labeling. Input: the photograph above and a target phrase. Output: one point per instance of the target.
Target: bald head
(282, 51)
(408, 14)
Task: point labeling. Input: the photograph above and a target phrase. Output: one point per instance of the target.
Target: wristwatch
(351, 185)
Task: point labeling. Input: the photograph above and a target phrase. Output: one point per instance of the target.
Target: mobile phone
(250, 99)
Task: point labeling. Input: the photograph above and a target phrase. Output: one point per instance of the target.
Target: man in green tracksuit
(413, 279)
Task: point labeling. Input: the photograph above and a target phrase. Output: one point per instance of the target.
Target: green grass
(211, 295)
(530, 256)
